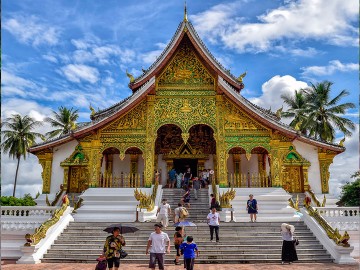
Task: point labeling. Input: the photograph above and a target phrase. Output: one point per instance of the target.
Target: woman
(112, 247)
(252, 208)
(179, 178)
(178, 239)
(186, 197)
(288, 252)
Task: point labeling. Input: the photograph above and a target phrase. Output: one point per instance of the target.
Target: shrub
(27, 200)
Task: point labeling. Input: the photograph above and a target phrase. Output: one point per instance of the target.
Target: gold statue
(341, 143)
(241, 77)
(92, 110)
(131, 77)
(186, 107)
(279, 111)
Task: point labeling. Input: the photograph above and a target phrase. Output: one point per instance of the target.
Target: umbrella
(185, 224)
(123, 228)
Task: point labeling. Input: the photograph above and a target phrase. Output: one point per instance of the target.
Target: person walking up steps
(213, 220)
(252, 208)
(189, 248)
(159, 244)
(288, 252)
(163, 213)
(178, 239)
(196, 187)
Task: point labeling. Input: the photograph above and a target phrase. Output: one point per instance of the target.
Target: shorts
(113, 262)
(177, 247)
(160, 257)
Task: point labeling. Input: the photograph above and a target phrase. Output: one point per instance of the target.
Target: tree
(351, 192)
(297, 105)
(19, 137)
(64, 121)
(316, 115)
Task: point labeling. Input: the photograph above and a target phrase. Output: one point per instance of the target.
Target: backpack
(101, 265)
(183, 212)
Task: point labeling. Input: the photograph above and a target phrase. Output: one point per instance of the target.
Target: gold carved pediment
(135, 119)
(185, 69)
(293, 157)
(78, 157)
(236, 119)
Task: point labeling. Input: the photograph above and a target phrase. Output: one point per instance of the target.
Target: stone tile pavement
(268, 266)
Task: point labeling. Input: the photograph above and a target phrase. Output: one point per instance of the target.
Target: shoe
(211, 240)
(290, 262)
(282, 262)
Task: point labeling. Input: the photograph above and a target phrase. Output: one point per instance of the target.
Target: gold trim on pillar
(325, 160)
(45, 160)
(149, 152)
(221, 152)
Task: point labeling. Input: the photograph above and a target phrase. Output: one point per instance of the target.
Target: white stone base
(225, 214)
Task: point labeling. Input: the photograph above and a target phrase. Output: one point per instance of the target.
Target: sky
(75, 53)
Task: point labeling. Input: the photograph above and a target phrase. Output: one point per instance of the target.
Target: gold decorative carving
(45, 160)
(185, 69)
(325, 160)
(226, 197)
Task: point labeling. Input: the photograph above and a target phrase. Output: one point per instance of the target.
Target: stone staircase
(242, 242)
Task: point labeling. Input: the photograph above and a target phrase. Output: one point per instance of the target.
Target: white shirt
(287, 236)
(159, 241)
(177, 211)
(164, 209)
(213, 219)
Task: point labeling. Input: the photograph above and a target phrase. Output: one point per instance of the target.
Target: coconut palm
(18, 137)
(323, 113)
(297, 105)
(64, 121)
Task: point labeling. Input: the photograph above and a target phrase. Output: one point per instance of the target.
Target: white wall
(310, 153)
(60, 154)
(250, 166)
(121, 166)
(162, 166)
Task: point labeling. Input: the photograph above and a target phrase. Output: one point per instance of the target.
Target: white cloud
(331, 68)
(30, 30)
(345, 164)
(77, 73)
(274, 88)
(297, 20)
(50, 58)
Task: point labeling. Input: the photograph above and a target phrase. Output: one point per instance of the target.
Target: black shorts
(177, 247)
(113, 262)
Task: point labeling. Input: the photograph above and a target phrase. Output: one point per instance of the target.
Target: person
(187, 176)
(112, 246)
(179, 178)
(177, 213)
(252, 208)
(213, 220)
(163, 213)
(288, 251)
(203, 178)
(189, 248)
(157, 176)
(159, 244)
(212, 201)
(196, 186)
(178, 239)
(172, 177)
(186, 197)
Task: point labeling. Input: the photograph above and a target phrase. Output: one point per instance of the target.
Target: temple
(186, 110)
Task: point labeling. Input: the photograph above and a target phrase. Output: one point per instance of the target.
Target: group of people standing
(180, 179)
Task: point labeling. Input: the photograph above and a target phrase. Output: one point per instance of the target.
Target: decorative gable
(185, 69)
(292, 157)
(78, 157)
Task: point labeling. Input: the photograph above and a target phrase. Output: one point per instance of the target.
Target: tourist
(178, 239)
(157, 176)
(252, 208)
(203, 178)
(187, 176)
(288, 252)
(163, 213)
(196, 187)
(159, 244)
(172, 178)
(212, 201)
(112, 247)
(179, 178)
(186, 197)
(213, 220)
(177, 213)
(189, 248)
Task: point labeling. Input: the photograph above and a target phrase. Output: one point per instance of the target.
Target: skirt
(288, 253)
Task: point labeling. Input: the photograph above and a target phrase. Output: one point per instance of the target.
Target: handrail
(20, 211)
(350, 212)
(295, 204)
(315, 199)
(40, 232)
(340, 240)
(57, 197)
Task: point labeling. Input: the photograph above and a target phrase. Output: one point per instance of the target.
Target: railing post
(137, 213)
(232, 214)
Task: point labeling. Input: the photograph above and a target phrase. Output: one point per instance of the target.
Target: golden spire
(185, 13)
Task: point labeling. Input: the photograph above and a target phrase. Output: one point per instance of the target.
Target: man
(159, 244)
(213, 220)
(196, 186)
(163, 213)
(112, 246)
(172, 178)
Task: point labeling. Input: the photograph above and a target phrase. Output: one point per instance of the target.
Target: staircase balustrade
(20, 211)
(248, 180)
(349, 212)
(315, 199)
(125, 180)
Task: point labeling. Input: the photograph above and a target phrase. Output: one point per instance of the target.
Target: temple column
(221, 152)
(325, 160)
(306, 178)
(95, 163)
(150, 142)
(45, 160)
(275, 164)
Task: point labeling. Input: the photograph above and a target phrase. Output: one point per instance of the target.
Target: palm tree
(64, 121)
(297, 105)
(19, 137)
(323, 112)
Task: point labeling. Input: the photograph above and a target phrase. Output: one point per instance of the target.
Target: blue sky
(76, 53)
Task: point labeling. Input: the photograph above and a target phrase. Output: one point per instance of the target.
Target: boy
(188, 249)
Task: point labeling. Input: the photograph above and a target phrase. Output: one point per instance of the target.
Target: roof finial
(185, 13)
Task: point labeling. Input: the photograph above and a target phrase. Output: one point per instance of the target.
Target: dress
(252, 205)
(288, 252)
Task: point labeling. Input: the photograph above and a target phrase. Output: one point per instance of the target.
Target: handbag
(296, 241)
(123, 254)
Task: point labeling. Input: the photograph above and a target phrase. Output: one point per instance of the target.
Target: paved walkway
(268, 266)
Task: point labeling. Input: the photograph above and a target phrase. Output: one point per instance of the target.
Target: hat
(158, 225)
(287, 227)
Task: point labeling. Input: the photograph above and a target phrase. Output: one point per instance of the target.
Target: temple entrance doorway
(182, 164)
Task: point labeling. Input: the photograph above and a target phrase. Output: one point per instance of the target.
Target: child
(188, 249)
